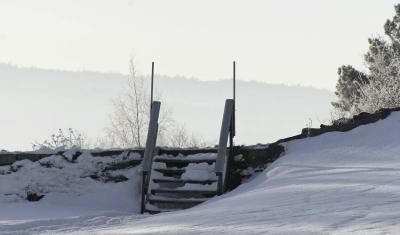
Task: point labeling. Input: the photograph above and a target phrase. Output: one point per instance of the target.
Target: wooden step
(195, 201)
(163, 204)
(170, 170)
(171, 204)
(184, 161)
(157, 211)
(152, 209)
(184, 191)
(184, 181)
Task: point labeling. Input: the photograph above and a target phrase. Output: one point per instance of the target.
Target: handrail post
(149, 150)
(222, 156)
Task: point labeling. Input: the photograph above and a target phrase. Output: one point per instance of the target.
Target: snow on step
(154, 209)
(183, 191)
(208, 187)
(196, 158)
(171, 160)
(180, 182)
(201, 171)
(176, 200)
(199, 156)
(164, 204)
(184, 181)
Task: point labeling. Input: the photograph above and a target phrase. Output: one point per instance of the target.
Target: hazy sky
(277, 41)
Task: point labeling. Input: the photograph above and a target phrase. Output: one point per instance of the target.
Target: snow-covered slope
(336, 183)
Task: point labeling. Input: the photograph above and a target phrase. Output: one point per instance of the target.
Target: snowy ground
(337, 183)
(70, 190)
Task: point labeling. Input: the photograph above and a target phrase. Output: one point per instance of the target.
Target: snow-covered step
(157, 210)
(209, 158)
(197, 192)
(152, 209)
(184, 181)
(171, 204)
(180, 182)
(170, 171)
(153, 198)
(184, 161)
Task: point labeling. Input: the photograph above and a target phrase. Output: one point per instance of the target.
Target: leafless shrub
(62, 141)
(180, 137)
(130, 119)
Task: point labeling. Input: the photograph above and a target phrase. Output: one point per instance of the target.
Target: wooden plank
(149, 151)
(171, 160)
(160, 210)
(222, 156)
(183, 191)
(170, 171)
(185, 181)
(154, 199)
(220, 165)
(185, 151)
(151, 137)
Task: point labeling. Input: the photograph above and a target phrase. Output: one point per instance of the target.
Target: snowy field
(336, 183)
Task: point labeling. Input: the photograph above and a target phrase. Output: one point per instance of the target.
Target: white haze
(291, 41)
(35, 103)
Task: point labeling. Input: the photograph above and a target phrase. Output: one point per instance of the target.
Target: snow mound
(335, 183)
(68, 185)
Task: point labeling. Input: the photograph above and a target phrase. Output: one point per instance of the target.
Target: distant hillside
(36, 102)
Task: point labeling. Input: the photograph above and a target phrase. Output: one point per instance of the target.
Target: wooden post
(222, 156)
(151, 137)
(149, 151)
(152, 85)
(232, 130)
(234, 99)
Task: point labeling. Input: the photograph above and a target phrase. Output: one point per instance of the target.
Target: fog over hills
(36, 102)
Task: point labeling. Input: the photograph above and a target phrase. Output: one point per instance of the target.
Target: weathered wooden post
(150, 142)
(228, 131)
(222, 156)
(149, 150)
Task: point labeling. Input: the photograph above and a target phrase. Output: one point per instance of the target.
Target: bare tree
(131, 112)
(130, 120)
(179, 137)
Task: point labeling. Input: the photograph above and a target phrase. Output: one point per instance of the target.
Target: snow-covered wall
(8, 158)
(35, 172)
(67, 174)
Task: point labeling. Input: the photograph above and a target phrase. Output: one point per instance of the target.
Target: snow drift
(68, 187)
(335, 183)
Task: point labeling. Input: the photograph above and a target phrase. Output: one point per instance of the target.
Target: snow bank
(336, 183)
(69, 186)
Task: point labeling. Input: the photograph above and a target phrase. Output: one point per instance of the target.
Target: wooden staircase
(180, 182)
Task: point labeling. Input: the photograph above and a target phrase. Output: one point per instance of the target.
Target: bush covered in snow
(379, 87)
(62, 175)
(383, 88)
